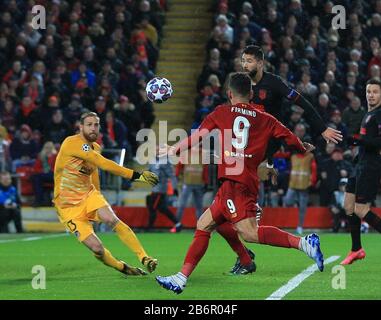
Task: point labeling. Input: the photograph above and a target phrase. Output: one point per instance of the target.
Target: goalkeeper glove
(146, 177)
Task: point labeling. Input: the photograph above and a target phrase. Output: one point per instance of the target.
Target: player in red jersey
(244, 135)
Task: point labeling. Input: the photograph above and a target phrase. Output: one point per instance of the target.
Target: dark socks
(373, 220)
(355, 226)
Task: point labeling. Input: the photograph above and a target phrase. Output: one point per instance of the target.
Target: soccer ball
(159, 90)
(364, 227)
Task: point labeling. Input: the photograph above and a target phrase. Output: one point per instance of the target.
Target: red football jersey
(244, 133)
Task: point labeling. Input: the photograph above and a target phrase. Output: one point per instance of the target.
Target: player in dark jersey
(362, 188)
(268, 93)
(244, 135)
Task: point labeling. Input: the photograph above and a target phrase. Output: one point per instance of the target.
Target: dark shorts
(365, 184)
(233, 202)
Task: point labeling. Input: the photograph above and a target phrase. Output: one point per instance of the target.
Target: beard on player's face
(90, 136)
(253, 73)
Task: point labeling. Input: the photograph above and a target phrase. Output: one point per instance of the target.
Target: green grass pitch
(73, 273)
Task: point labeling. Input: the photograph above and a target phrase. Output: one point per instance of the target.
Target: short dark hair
(374, 81)
(240, 83)
(87, 115)
(255, 51)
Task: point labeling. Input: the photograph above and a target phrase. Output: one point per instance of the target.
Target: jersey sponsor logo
(86, 147)
(292, 95)
(237, 154)
(262, 93)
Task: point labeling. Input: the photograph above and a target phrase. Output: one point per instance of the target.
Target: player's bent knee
(361, 209)
(97, 249)
(247, 236)
(349, 209)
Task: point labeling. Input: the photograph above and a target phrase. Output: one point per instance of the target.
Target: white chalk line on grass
(297, 280)
(33, 238)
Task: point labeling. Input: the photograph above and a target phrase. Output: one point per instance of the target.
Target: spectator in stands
(208, 98)
(224, 28)
(10, 204)
(23, 149)
(35, 90)
(296, 117)
(254, 29)
(146, 116)
(46, 112)
(128, 114)
(74, 109)
(306, 87)
(349, 94)
(336, 122)
(57, 129)
(83, 72)
(353, 115)
(325, 108)
(4, 150)
(375, 71)
(43, 174)
(116, 133)
(8, 115)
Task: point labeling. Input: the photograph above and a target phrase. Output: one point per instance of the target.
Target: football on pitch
(159, 89)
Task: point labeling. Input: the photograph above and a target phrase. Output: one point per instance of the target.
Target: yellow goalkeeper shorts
(77, 219)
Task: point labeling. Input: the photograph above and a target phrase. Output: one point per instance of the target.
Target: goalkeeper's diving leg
(127, 236)
(102, 254)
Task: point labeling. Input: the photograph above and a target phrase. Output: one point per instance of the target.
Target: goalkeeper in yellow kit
(78, 199)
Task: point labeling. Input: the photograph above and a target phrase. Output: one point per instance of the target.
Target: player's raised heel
(133, 271)
(353, 256)
(310, 244)
(150, 263)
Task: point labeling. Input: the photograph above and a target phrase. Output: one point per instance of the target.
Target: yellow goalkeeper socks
(128, 237)
(109, 260)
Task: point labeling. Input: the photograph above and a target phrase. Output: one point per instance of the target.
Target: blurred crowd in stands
(329, 67)
(95, 55)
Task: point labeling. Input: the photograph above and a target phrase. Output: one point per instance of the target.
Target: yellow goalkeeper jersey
(76, 171)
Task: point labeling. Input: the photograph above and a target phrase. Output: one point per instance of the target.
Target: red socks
(227, 231)
(196, 251)
(277, 238)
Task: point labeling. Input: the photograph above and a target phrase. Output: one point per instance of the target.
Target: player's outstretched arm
(312, 116)
(105, 164)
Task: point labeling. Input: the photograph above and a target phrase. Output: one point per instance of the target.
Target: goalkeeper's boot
(238, 265)
(175, 283)
(150, 263)
(353, 256)
(310, 244)
(243, 270)
(132, 271)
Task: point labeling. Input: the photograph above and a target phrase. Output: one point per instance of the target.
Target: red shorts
(233, 202)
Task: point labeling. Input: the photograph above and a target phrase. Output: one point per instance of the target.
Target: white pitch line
(297, 280)
(33, 238)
